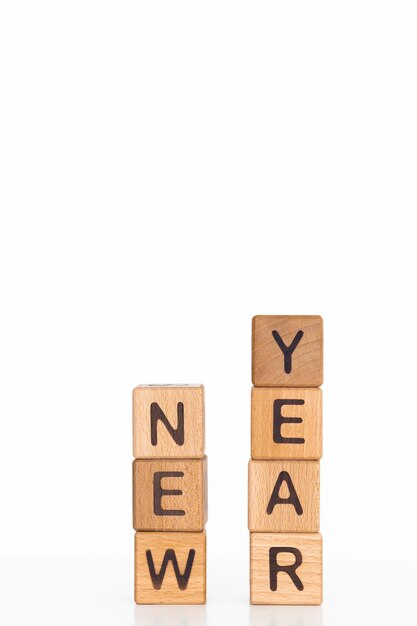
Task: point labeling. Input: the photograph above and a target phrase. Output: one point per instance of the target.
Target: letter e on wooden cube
(286, 423)
(170, 494)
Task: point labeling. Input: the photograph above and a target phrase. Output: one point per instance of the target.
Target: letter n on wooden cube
(286, 568)
(168, 421)
(170, 494)
(170, 568)
(287, 351)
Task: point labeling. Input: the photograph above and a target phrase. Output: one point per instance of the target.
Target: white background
(168, 170)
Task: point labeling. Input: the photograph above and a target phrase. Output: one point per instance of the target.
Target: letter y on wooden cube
(168, 421)
(287, 351)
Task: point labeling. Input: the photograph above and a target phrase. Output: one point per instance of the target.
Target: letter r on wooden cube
(286, 568)
(170, 568)
(168, 421)
(170, 494)
(287, 351)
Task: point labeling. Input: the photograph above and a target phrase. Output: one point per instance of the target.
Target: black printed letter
(176, 433)
(287, 350)
(182, 579)
(292, 498)
(279, 419)
(274, 568)
(158, 492)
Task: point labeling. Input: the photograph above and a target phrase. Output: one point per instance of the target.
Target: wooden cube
(286, 423)
(284, 496)
(170, 568)
(170, 494)
(168, 421)
(287, 351)
(286, 568)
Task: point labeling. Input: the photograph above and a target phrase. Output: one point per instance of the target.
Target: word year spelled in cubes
(169, 494)
(284, 470)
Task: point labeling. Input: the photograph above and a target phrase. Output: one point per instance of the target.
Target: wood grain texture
(149, 486)
(309, 572)
(272, 481)
(158, 543)
(168, 398)
(263, 445)
(268, 363)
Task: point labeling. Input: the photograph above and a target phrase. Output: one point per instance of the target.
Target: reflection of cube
(170, 494)
(170, 568)
(286, 423)
(287, 350)
(168, 421)
(284, 496)
(285, 568)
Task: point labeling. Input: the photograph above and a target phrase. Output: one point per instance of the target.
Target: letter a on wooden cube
(287, 351)
(168, 421)
(286, 423)
(170, 494)
(284, 496)
(286, 568)
(170, 568)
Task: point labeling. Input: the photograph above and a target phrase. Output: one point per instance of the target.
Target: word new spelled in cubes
(169, 494)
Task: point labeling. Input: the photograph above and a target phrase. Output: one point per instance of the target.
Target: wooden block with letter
(168, 421)
(170, 494)
(170, 568)
(284, 496)
(285, 568)
(287, 351)
(286, 423)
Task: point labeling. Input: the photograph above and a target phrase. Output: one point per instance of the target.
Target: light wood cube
(286, 423)
(286, 568)
(287, 351)
(170, 494)
(168, 421)
(284, 496)
(170, 568)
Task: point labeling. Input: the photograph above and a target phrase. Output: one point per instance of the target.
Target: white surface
(168, 170)
(98, 592)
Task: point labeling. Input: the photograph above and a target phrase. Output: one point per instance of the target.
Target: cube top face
(170, 568)
(286, 423)
(286, 568)
(287, 351)
(284, 496)
(170, 494)
(168, 421)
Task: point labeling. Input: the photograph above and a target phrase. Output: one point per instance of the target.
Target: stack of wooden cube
(169, 494)
(284, 473)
